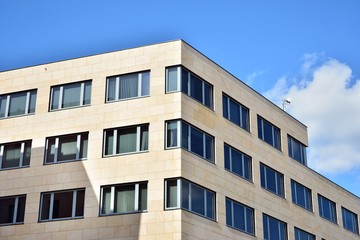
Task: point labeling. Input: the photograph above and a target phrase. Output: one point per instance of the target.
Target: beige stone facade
(157, 163)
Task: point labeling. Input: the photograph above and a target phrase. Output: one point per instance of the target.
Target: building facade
(156, 142)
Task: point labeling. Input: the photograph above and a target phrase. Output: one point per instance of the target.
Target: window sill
(11, 224)
(12, 168)
(125, 213)
(126, 99)
(124, 154)
(61, 219)
(15, 116)
(69, 108)
(65, 161)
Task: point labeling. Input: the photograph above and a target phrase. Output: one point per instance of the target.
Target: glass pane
(209, 147)
(17, 104)
(124, 199)
(234, 112)
(260, 128)
(11, 155)
(171, 84)
(62, 207)
(197, 142)
(197, 199)
(245, 118)
(196, 88)
(210, 205)
(80, 199)
(27, 154)
(145, 84)
(84, 145)
(55, 98)
(32, 103)
(50, 155)
(45, 207)
(247, 167)
(144, 138)
(71, 95)
(21, 209)
(111, 89)
(128, 86)
(239, 219)
(225, 107)
(185, 81)
(276, 138)
(67, 148)
(2, 106)
(109, 141)
(171, 191)
(172, 134)
(268, 133)
(249, 220)
(207, 95)
(227, 157)
(142, 197)
(185, 194)
(106, 198)
(87, 93)
(185, 135)
(7, 210)
(237, 163)
(126, 140)
(229, 213)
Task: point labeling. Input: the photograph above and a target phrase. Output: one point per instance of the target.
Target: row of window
(135, 85)
(132, 198)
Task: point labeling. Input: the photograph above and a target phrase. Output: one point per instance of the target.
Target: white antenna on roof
(285, 102)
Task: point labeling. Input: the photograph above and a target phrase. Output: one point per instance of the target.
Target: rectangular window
(272, 180)
(70, 95)
(301, 195)
(12, 209)
(123, 198)
(64, 148)
(274, 229)
(129, 139)
(297, 150)
(303, 235)
(350, 220)
(179, 78)
(127, 86)
(19, 103)
(182, 134)
(180, 193)
(236, 113)
(327, 209)
(240, 217)
(68, 204)
(269, 133)
(237, 162)
(15, 154)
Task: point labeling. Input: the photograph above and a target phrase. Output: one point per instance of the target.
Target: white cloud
(323, 100)
(250, 78)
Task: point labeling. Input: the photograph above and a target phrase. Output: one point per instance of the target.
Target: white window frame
(16, 206)
(22, 152)
(247, 124)
(27, 103)
(273, 127)
(242, 163)
(276, 182)
(232, 202)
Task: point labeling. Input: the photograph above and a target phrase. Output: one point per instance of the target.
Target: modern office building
(156, 142)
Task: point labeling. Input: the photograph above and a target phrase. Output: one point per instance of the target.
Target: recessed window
(123, 198)
(303, 235)
(274, 228)
(179, 78)
(350, 220)
(272, 180)
(15, 154)
(269, 133)
(237, 162)
(127, 86)
(124, 140)
(181, 193)
(68, 204)
(12, 209)
(70, 95)
(240, 217)
(301, 195)
(19, 103)
(182, 134)
(327, 209)
(297, 150)
(64, 148)
(236, 113)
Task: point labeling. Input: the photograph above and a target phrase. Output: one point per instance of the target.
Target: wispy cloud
(250, 78)
(323, 100)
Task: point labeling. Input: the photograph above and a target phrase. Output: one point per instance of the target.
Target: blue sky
(307, 50)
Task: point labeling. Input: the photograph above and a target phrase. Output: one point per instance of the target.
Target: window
(12, 209)
(274, 229)
(70, 95)
(182, 134)
(240, 217)
(180, 193)
(327, 209)
(68, 204)
(179, 78)
(272, 180)
(64, 148)
(19, 103)
(130, 139)
(301, 195)
(302, 235)
(237, 162)
(15, 154)
(350, 220)
(297, 150)
(127, 86)
(123, 198)
(269, 133)
(236, 113)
